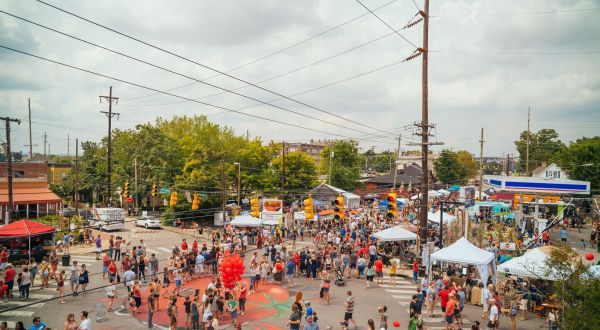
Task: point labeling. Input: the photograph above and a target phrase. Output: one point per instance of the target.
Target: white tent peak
(396, 233)
(463, 252)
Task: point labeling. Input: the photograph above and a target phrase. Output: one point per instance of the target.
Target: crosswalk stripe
(404, 296)
(18, 313)
(404, 303)
(21, 303)
(11, 324)
(150, 251)
(402, 291)
(164, 249)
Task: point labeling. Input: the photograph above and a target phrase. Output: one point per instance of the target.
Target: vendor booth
(395, 234)
(245, 221)
(532, 264)
(465, 253)
(26, 239)
(435, 217)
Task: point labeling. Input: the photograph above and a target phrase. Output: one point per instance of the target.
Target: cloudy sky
(489, 61)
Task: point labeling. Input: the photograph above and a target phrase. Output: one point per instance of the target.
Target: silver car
(148, 222)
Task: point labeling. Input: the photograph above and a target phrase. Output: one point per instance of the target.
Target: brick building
(31, 196)
(312, 148)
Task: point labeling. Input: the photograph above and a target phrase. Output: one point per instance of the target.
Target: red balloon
(589, 256)
(397, 324)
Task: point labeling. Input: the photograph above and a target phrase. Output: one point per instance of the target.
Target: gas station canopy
(536, 185)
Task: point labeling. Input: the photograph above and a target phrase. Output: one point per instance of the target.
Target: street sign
(164, 191)
(129, 199)
(188, 196)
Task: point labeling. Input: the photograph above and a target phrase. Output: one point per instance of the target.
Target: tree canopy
(581, 160)
(543, 146)
(346, 164)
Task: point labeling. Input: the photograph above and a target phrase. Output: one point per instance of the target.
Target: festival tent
(435, 217)
(531, 264)
(270, 222)
(464, 252)
(246, 221)
(595, 270)
(395, 234)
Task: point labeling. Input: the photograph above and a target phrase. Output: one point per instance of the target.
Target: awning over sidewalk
(29, 196)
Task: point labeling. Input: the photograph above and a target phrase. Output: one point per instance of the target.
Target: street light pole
(238, 181)
(330, 160)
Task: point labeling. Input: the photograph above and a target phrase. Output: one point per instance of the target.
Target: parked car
(148, 222)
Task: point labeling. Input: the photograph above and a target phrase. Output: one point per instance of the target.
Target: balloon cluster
(231, 269)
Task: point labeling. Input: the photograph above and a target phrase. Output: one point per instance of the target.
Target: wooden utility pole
(109, 114)
(330, 161)
(282, 170)
(76, 199)
(10, 208)
(45, 136)
(224, 191)
(481, 163)
(395, 162)
(30, 145)
(527, 146)
(68, 145)
(424, 128)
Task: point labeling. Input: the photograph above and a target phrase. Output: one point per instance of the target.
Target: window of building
(19, 174)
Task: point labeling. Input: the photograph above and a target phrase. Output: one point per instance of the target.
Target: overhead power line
(173, 95)
(386, 24)
(225, 90)
(541, 12)
(298, 43)
(205, 66)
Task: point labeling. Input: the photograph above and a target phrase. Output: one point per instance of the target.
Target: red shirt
(9, 274)
(184, 246)
(378, 266)
(112, 268)
(415, 266)
(545, 236)
(444, 296)
(106, 261)
(195, 246)
(3, 257)
(296, 259)
(450, 308)
(278, 267)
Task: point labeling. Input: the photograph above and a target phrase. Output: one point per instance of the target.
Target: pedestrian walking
(74, 278)
(25, 284)
(60, 283)
(349, 308)
(111, 293)
(151, 307)
(98, 247)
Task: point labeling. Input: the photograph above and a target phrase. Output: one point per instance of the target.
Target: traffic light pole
(10, 208)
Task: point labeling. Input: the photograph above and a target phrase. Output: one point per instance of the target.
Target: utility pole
(424, 128)
(135, 183)
(109, 115)
(397, 158)
(330, 161)
(49, 152)
(45, 136)
(10, 209)
(76, 199)
(527, 146)
(68, 145)
(282, 170)
(224, 192)
(481, 163)
(30, 145)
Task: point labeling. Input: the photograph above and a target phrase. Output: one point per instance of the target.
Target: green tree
(346, 164)
(492, 168)
(581, 160)
(577, 289)
(448, 168)
(543, 145)
(467, 164)
(300, 171)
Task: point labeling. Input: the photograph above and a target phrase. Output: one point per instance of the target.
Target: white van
(108, 218)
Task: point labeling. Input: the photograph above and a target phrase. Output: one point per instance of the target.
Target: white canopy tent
(435, 217)
(246, 221)
(464, 252)
(531, 264)
(395, 234)
(270, 222)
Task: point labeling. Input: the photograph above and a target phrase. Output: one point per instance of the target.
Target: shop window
(19, 174)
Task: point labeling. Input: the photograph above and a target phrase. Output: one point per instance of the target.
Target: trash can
(66, 260)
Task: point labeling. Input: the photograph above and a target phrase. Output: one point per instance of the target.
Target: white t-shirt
(86, 324)
(493, 313)
(110, 290)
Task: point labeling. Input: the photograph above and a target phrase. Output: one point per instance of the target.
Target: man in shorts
(74, 279)
(98, 247)
(349, 305)
(3, 259)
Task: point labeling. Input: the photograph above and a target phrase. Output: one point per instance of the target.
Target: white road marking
(164, 249)
(40, 296)
(402, 291)
(18, 313)
(404, 297)
(21, 303)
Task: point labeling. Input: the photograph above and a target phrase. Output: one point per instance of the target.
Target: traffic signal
(126, 189)
(173, 200)
(154, 190)
(254, 207)
(195, 202)
(338, 208)
(309, 211)
(392, 212)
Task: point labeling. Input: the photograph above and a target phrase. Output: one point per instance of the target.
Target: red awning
(29, 196)
(24, 228)
(326, 212)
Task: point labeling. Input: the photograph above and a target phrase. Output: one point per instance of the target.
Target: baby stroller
(339, 277)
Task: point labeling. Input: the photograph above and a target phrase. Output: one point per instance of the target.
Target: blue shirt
(309, 311)
(563, 233)
(290, 267)
(40, 326)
